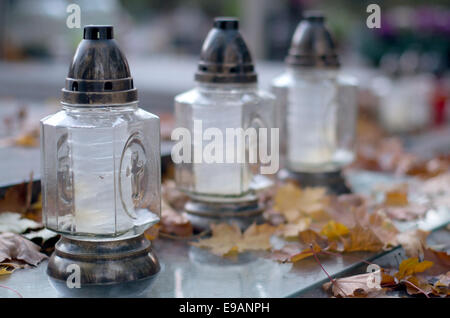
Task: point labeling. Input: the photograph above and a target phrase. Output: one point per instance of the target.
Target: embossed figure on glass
(137, 173)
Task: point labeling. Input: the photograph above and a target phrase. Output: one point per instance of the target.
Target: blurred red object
(439, 100)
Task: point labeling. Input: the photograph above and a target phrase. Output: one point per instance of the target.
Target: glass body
(100, 171)
(405, 103)
(316, 113)
(219, 107)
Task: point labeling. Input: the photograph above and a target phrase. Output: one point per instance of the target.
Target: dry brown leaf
(362, 285)
(440, 259)
(17, 198)
(228, 239)
(284, 254)
(362, 239)
(311, 243)
(442, 286)
(379, 224)
(15, 247)
(342, 208)
(397, 196)
(417, 285)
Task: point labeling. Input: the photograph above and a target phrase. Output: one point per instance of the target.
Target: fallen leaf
(397, 196)
(440, 259)
(361, 285)
(406, 213)
(15, 247)
(333, 230)
(312, 243)
(379, 224)
(290, 231)
(361, 239)
(411, 266)
(442, 286)
(342, 208)
(256, 237)
(310, 237)
(6, 270)
(294, 202)
(284, 254)
(13, 222)
(152, 233)
(417, 285)
(228, 239)
(305, 253)
(17, 198)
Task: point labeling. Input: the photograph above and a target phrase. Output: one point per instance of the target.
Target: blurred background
(402, 67)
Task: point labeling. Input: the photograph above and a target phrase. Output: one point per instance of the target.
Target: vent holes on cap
(75, 86)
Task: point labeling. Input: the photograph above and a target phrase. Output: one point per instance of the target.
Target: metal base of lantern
(334, 181)
(202, 214)
(119, 268)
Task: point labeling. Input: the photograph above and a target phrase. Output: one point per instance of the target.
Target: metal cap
(99, 74)
(312, 44)
(225, 58)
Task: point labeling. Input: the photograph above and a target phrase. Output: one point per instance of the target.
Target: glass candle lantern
(226, 97)
(101, 170)
(316, 109)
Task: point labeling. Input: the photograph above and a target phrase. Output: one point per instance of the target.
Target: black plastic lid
(99, 74)
(98, 32)
(312, 44)
(225, 58)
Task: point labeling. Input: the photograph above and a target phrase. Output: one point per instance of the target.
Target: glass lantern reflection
(100, 156)
(316, 104)
(226, 96)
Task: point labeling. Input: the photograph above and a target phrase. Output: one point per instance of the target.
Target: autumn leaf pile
(426, 272)
(312, 223)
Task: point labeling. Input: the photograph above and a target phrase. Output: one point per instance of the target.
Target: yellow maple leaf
(228, 239)
(411, 266)
(294, 202)
(286, 196)
(333, 230)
